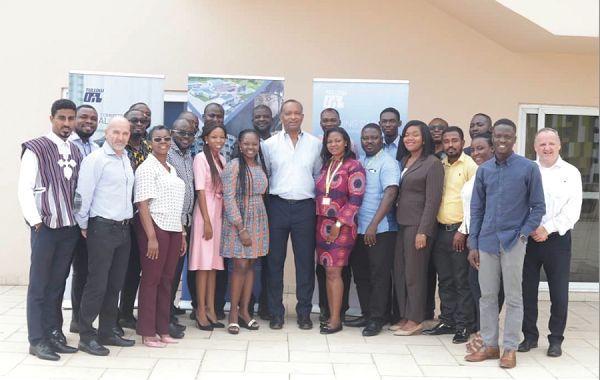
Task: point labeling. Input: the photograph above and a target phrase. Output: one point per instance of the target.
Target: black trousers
(476, 294)
(372, 270)
(452, 267)
(322, 282)
(191, 283)
(298, 219)
(132, 278)
(108, 246)
(177, 275)
(80, 271)
(554, 255)
(221, 280)
(51, 256)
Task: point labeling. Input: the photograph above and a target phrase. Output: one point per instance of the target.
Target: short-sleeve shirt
(382, 170)
(164, 190)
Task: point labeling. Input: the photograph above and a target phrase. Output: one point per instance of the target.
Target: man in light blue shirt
(86, 123)
(293, 162)
(105, 190)
(373, 255)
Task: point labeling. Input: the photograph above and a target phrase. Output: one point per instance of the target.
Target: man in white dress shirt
(293, 162)
(550, 244)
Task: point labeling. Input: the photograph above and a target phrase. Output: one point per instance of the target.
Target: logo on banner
(93, 95)
(334, 99)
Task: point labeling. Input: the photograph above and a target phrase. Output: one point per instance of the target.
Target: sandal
(252, 325)
(233, 328)
(167, 339)
(154, 343)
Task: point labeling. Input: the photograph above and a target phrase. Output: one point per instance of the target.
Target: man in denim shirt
(507, 205)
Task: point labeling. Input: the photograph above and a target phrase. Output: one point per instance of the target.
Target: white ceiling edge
(575, 18)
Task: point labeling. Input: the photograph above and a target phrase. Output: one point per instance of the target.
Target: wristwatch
(338, 224)
(523, 238)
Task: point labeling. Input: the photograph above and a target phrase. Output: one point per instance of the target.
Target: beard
(83, 134)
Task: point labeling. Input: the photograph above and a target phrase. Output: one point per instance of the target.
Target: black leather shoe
(276, 323)
(264, 315)
(324, 315)
(175, 332)
(58, 335)
(118, 330)
(178, 326)
(357, 322)
(178, 311)
(554, 350)
(74, 327)
(461, 336)
(60, 347)
(43, 351)
(128, 322)
(440, 329)
(304, 323)
(326, 329)
(527, 344)
(116, 340)
(216, 325)
(92, 347)
(373, 328)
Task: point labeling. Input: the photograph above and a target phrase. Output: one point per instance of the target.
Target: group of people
(416, 206)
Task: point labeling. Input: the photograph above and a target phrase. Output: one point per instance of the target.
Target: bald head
(117, 133)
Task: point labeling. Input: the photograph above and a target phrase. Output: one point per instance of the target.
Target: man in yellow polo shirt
(449, 252)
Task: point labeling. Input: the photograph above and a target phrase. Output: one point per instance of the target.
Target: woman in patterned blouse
(339, 193)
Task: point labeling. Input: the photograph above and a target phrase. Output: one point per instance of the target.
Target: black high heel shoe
(216, 325)
(327, 329)
(208, 327)
(251, 325)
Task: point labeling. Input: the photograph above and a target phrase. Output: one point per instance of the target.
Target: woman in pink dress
(206, 227)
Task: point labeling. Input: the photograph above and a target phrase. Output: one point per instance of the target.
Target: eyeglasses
(135, 120)
(185, 134)
(161, 139)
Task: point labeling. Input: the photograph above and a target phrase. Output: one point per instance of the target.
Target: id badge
(326, 201)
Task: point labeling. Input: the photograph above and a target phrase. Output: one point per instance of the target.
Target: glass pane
(531, 122)
(579, 138)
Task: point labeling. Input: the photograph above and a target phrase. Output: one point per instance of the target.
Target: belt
(124, 222)
(291, 201)
(449, 227)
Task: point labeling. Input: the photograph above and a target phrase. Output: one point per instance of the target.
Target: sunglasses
(185, 134)
(161, 139)
(135, 120)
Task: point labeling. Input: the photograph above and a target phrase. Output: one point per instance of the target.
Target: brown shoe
(484, 353)
(509, 359)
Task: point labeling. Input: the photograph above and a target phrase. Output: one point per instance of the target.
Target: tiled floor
(295, 354)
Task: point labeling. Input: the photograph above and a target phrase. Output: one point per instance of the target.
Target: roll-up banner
(359, 102)
(238, 95)
(112, 94)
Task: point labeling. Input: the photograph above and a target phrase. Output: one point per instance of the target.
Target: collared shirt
(137, 156)
(392, 148)
(455, 176)
(293, 170)
(164, 190)
(29, 178)
(183, 164)
(466, 193)
(507, 201)
(563, 194)
(382, 171)
(84, 147)
(229, 150)
(105, 187)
